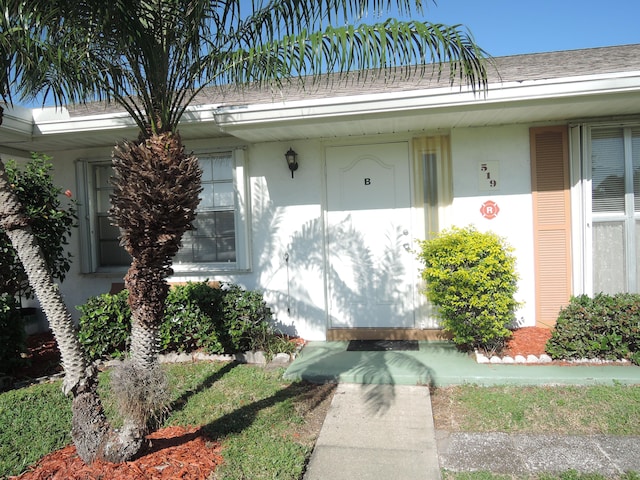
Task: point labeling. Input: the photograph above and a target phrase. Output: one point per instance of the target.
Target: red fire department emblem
(489, 209)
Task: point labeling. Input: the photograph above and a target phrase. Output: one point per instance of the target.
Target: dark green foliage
(471, 278)
(605, 327)
(105, 325)
(12, 335)
(50, 221)
(197, 316)
(246, 319)
(192, 319)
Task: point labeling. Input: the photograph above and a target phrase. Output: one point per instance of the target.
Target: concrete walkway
(380, 423)
(376, 432)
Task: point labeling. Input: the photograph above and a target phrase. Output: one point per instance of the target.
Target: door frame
(372, 333)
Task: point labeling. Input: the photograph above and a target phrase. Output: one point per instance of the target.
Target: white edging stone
(542, 359)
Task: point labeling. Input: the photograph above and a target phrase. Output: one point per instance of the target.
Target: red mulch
(528, 341)
(42, 355)
(175, 453)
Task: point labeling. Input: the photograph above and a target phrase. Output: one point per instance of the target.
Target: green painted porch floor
(439, 364)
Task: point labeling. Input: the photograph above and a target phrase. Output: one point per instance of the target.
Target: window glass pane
(223, 168)
(225, 223)
(204, 250)
(106, 230)
(103, 175)
(112, 254)
(185, 254)
(206, 164)
(609, 259)
(226, 249)
(204, 225)
(607, 169)
(635, 154)
(223, 195)
(103, 203)
(206, 197)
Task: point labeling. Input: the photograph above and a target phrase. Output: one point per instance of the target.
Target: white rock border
(255, 358)
(543, 359)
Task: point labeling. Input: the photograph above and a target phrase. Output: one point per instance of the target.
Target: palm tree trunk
(91, 433)
(148, 291)
(156, 193)
(16, 226)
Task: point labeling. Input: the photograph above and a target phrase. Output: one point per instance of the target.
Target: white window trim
(86, 228)
(581, 191)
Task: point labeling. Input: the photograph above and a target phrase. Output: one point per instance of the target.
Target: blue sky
(509, 27)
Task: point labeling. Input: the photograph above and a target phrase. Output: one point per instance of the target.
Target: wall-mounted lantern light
(292, 161)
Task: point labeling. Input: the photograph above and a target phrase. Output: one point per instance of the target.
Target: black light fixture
(292, 161)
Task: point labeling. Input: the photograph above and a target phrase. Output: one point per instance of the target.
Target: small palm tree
(152, 57)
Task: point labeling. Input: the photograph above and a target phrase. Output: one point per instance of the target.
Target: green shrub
(471, 278)
(105, 325)
(246, 320)
(605, 327)
(192, 319)
(197, 316)
(12, 335)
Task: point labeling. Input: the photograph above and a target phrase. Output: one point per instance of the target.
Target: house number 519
(489, 175)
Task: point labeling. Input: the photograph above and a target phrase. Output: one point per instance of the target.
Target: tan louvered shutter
(551, 221)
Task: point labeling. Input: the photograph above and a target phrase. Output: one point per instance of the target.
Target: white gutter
(51, 121)
(18, 120)
(89, 123)
(439, 98)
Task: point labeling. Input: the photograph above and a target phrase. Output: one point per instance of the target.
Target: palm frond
(153, 56)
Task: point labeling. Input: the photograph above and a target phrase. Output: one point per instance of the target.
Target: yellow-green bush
(471, 278)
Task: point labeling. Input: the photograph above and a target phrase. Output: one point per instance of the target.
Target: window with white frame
(214, 236)
(217, 242)
(612, 161)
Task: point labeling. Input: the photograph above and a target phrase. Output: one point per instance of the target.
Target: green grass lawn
(268, 426)
(261, 420)
(571, 410)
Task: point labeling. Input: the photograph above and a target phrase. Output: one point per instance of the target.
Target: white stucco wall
(508, 146)
(286, 217)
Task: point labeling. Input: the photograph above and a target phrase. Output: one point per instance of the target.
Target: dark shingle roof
(516, 68)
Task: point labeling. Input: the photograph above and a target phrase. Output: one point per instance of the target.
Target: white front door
(371, 272)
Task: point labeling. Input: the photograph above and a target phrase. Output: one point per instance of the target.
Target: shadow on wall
(292, 272)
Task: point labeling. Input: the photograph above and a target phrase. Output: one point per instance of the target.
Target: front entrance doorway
(371, 274)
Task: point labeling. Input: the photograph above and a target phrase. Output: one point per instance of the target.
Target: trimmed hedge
(605, 327)
(197, 316)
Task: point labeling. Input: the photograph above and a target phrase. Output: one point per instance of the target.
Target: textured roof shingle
(516, 68)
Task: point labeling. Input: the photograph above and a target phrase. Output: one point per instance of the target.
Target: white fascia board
(88, 123)
(49, 122)
(62, 122)
(18, 120)
(440, 98)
